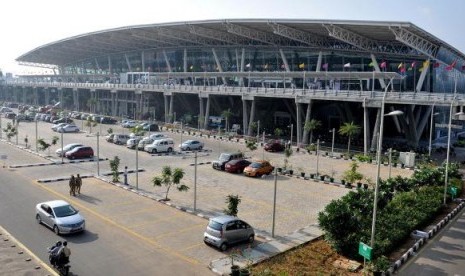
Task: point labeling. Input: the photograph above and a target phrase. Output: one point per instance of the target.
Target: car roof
(224, 219)
(55, 203)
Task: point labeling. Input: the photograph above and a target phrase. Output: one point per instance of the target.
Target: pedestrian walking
(72, 186)
(78, 184)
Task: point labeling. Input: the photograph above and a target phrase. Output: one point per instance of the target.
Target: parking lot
(298, 201)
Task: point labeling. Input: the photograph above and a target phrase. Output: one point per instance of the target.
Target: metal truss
(418, 43)
(162, 42)
(188, 38)
(301, 36)
(215, 35)
(252, 34)
(40, 65)
(365, 43)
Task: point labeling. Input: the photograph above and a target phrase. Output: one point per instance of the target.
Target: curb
(431, 233)
(24, 248)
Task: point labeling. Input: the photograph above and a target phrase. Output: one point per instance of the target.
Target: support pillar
(207, 113)
(24, 90)
(245, 116)
(167, 114)
(60, 96)
(201, 117)
(366, 128)
(114, 101)
(36, 96)
(307, 119)
(374, 139)
(252, 117)
(299, 123)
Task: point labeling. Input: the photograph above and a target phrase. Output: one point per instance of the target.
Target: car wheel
(188, 148)
(72, 157)
(38, 219)
(170, 149)
(154, 151)
(77, 130)
(223, 247)
(56, 230)
(238, 170)
(200, 148)
(251, 238)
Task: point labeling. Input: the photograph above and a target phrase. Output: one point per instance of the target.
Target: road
(443, 255)
(108, 247)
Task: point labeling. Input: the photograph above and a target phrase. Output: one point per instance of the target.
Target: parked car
(60, 216)
(157, 136)
(63, 120)
(236, 165)
(226, 157)
(151, 127)
(68, 128)
(145, 141)
(258, 168)
(191, 145)
(10, 115)
(129, 124)
(274, 146)
(162, 145)
(131, 143)
(225, 231)
(80, 152)
(108, 120)
(120, 139)
(67, 148)
(55, 127)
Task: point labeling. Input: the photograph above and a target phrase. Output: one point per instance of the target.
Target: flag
(302, 65)
(347, 65)
(400, 65)
(191, 67)
(450, 67)
(383, 64)
(247, 65)
(325, 66)
(425, 65)
(402, 70)
(266, 66)
(412, 65)
(371, 64)
(436, 65)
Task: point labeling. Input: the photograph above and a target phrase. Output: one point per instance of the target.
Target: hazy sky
(27, 24)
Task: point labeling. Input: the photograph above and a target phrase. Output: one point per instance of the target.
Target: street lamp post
(390, 162)
(431, 130)
(62, 153)
(98, 153)
(378, 162)
(292, 132)
(332, 142)
(274, 201)
(36, 136)
(195, 181)
(317, 156)
(137, 167)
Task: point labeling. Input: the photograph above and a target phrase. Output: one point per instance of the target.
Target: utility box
(407, 158)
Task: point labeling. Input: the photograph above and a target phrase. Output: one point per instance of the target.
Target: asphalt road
(443, 255)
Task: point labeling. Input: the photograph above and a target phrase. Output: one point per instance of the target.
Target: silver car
(67, 148)
(224, 231)
(191, 145)
(60, 216)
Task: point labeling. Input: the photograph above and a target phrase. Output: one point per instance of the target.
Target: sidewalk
(16, 259)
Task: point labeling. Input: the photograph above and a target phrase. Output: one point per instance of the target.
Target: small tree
(278, 132)
(114, 165)
(352, 174)
(251, 144)
(227, 114)
(90, 123)
(109, 131)
(138, 130)
(10, 131)
(349, 130)
(42, 145)
(232, 201)
(287, 153)
(169, 178)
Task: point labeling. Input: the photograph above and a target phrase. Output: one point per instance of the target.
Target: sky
(28, 24)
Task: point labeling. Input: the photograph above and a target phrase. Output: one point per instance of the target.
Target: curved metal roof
(386, 38)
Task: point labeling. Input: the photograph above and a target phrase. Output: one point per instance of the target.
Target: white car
(60, 216)
(144, 142)
(68, 128)
(131, 143)
(191, 145)
(129, 124)
(67, 148)
(157, 136)
(57, 126)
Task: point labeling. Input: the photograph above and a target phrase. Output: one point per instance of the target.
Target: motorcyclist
(63, 254)
(54, 253)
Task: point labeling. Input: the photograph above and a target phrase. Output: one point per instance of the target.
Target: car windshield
(256, 165)
(64, 211)
(215, 225)
(224, 157)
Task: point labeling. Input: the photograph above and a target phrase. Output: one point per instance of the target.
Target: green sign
(364, 250)
(453, 191)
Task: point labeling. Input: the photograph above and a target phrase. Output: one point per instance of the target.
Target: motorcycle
(60, 264)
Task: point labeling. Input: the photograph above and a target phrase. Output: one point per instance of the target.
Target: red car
(236, 166)
(274, 146)
(80, 152)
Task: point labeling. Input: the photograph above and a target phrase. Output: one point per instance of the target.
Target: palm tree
(227, 114)
(349, 130)
(169, 178)
(310, 126)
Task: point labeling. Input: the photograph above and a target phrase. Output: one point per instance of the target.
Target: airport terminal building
(269, 73)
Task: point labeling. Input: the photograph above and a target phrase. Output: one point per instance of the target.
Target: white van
(162, 145)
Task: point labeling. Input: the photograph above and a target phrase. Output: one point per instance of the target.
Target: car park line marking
(127, 230)
(175, 214)
(180, 231)
(192, 246)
